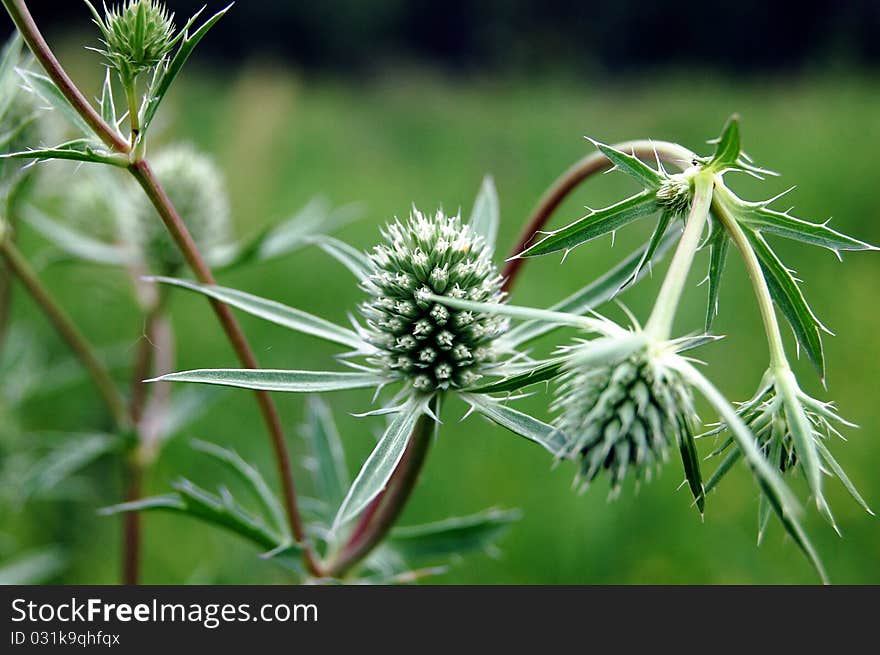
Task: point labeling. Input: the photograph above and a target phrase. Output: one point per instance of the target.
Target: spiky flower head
(675, 194)
(137, 35)
(432, 346)
(622, 415)
(196, 188)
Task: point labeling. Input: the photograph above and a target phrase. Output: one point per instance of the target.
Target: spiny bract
(137, 36)
(432, 346)
(622, 415)
(196, 189)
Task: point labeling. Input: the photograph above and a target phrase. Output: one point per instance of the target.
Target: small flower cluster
(431, 345)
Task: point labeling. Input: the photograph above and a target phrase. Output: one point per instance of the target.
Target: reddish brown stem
(179, 232)
(593, 163)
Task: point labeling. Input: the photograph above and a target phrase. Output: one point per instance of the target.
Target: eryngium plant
(417, 339)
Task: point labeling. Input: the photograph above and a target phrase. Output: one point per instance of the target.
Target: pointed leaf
(79, 150)
(164, 82)
(519, 423)
(718, 249)
(595, 224)
(727, 149)
(837, 469)
(108, 108)
(44, 88)
(596, 293)
(486, 216)
(330, 471)
(382, 462)
(690, 460)
(352, 258)
(288, 555)
(541, 372)
(769, 221)
(73, 453)
(272, 311)
(77, 244)
(726, 464)
(453, 536)
(252, 479)
(276, 380)
(632, 166)
(788, 297)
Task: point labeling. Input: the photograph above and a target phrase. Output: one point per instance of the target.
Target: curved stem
(659, 323)
(778, 359)
(33, 37)
(68, 331)
(385, 510)
(593, 163)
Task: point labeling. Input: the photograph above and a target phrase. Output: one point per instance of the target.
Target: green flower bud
(621, 416)
(197, 190)
(432, 346)
(675, 194)
(137, 35)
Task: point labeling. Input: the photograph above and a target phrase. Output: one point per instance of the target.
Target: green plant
(434, 323)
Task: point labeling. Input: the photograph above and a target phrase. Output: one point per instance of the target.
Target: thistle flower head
(429, 344)
(196, 188)
(674, 194)
(137, 35)
(623, 414)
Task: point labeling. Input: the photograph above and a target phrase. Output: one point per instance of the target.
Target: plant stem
(68, 331)
(778, 360)
(33, 37)
(131, 525)
(593, 163)
(386, 509)
(659, 324)
(179, 232)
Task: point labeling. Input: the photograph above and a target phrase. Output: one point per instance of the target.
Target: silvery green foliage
(137, 35)
(622, 416)
(196, 188)
(419, 340)
(19, 124)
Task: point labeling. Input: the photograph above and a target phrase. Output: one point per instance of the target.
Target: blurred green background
(412, 136)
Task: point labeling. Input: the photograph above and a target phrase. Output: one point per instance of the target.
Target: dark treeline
(524, 35)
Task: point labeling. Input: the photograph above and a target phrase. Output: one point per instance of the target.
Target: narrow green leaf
(78, 150)
(728, 148)
(288, 555)
(169, 75)
(43, 87)
(252, 479)
(632, 166)
(73, 454)
(788, 297)
(276, 380)
(273, 312)
(802, 435)
(108, 107)
(690, 461)
(325, 444)
(77, 244)
(167, 502)
(380, 465)
(453, 536)
(33, 567)
(9, 59)
(593, 295)
(519, 423)
(486, 215)
(726, 464)
(595, 224)
(541, 372)
(653, 244)
(769, 221)
(295, 232)
(837, 469)
(718, 249)
(352, 258)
